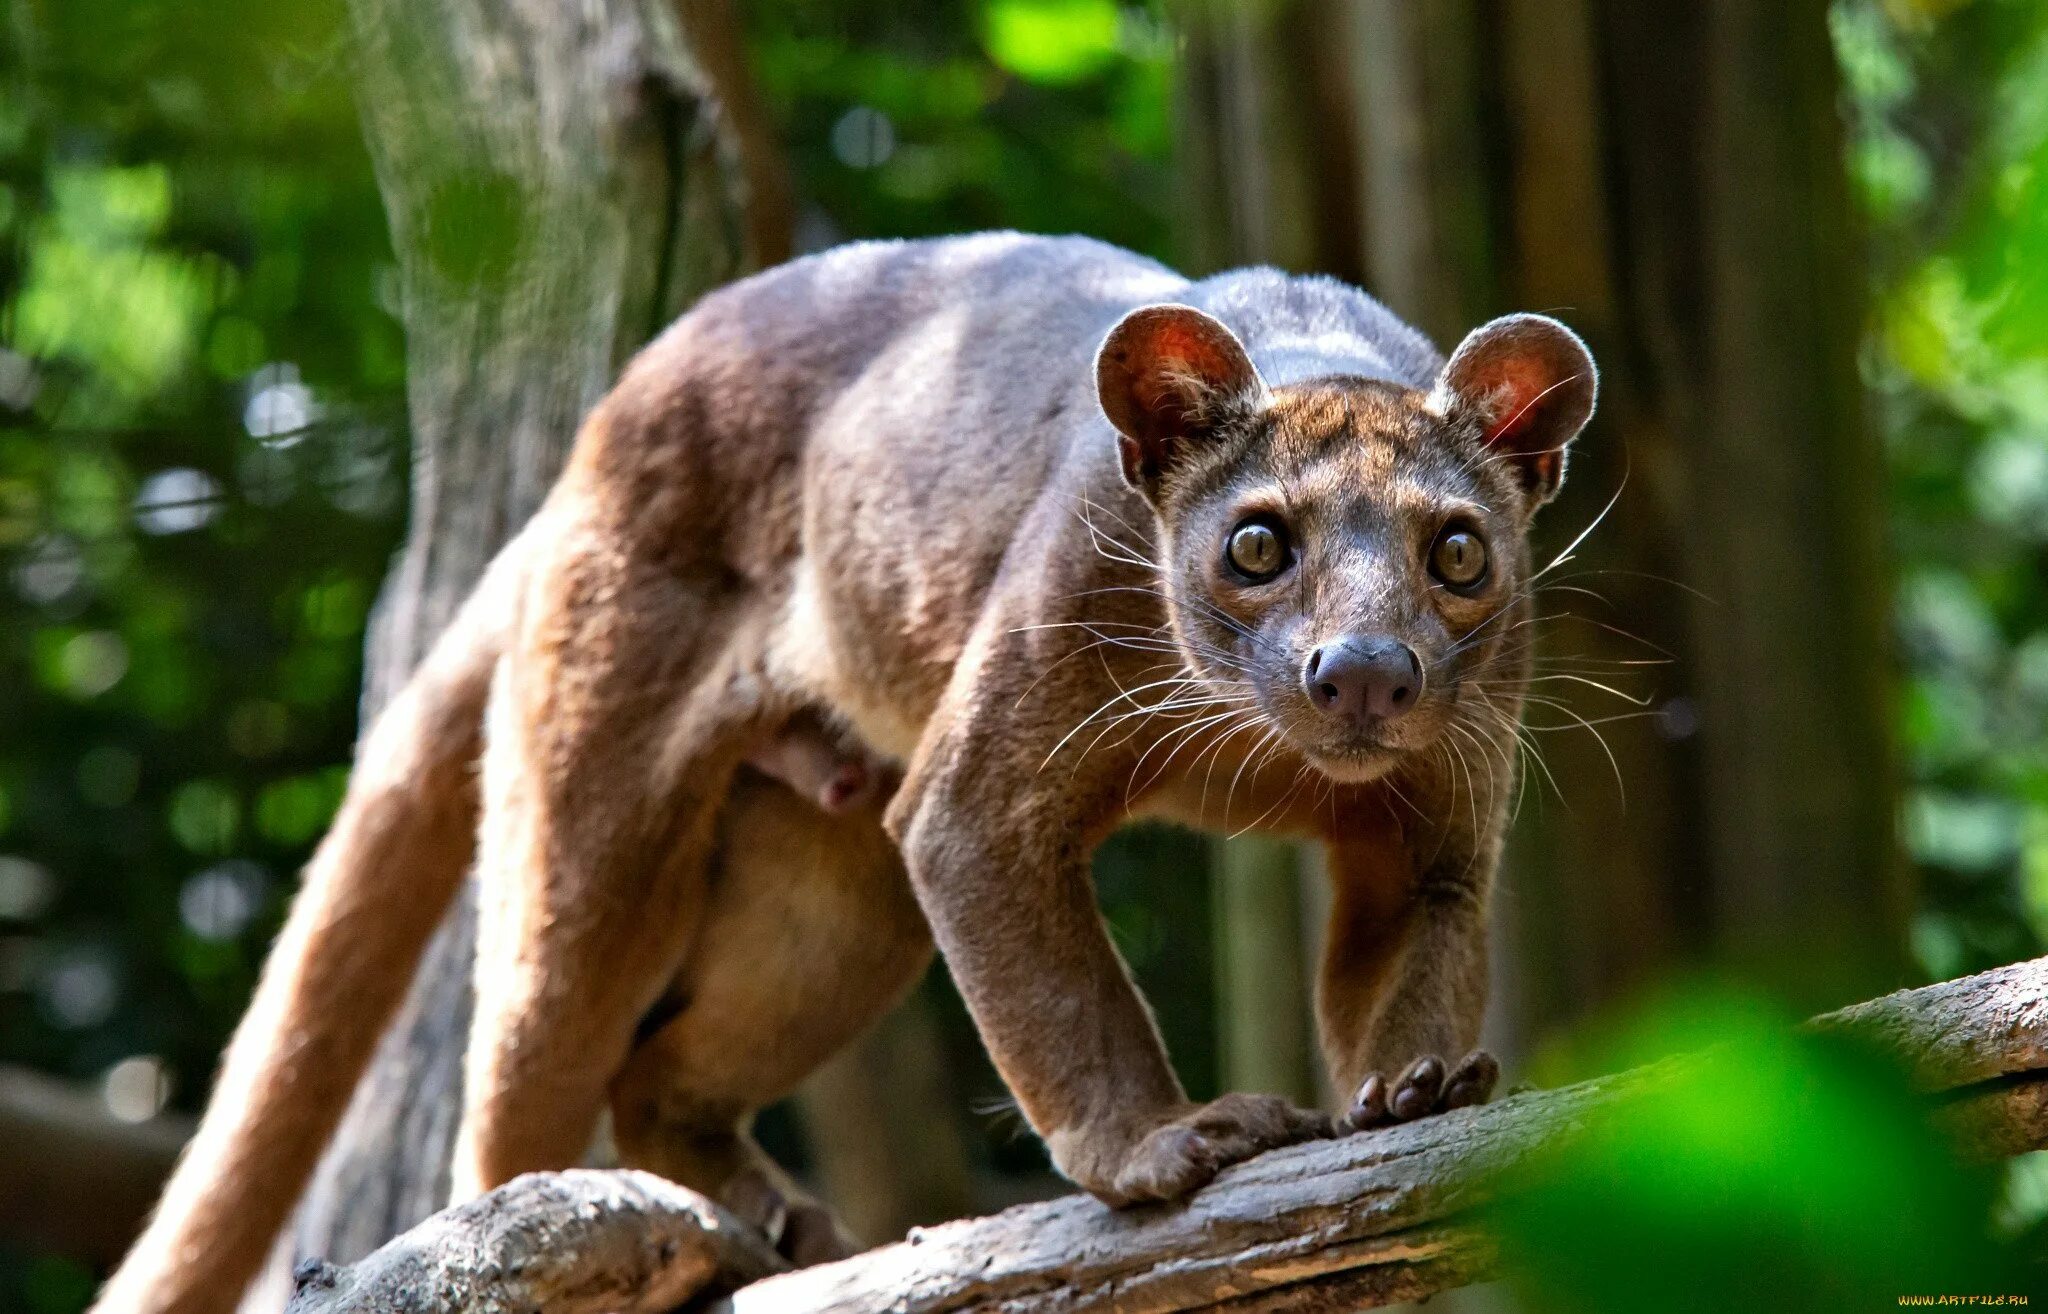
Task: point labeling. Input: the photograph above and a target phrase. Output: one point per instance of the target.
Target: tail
(371, 897)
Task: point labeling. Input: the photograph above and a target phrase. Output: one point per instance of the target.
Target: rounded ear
(1167, 376)
(1529, 384)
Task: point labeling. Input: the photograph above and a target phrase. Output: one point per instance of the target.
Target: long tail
(371, 897)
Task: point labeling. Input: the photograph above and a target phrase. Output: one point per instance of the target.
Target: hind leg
(609, 743)
(810, 934)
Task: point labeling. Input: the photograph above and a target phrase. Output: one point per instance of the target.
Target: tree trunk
(556, 192)
(1799, 757)
(1729, 306)
(1669, 179)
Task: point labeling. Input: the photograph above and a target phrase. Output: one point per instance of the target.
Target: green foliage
(1055, 41)
(101, 292)
(201, 467)
(1772, 1172)
(1949, 117)
(913, 119)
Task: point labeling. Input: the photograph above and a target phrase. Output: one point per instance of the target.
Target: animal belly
(846, 666)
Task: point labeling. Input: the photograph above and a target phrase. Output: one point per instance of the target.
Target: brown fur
(875, 487)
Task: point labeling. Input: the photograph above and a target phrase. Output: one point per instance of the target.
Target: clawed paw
(803, 1231)
(1423, 1088)
(1180, 1156)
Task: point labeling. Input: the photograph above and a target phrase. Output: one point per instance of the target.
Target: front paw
(1423, 1088)
(1180, 1155)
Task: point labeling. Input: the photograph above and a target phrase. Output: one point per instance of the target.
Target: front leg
(1404, 976)
(998, 853)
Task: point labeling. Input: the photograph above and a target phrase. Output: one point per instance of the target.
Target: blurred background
(300, 300)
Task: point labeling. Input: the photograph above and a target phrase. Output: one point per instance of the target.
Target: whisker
(1186, 734)
(1125, 554)
(1277, 804)
(1231, 796)
(1122, 695)
(1213, 755)
(1585, 533)
(1643, 701)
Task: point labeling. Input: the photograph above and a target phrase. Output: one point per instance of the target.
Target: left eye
(1458, 559)
(1257, 551)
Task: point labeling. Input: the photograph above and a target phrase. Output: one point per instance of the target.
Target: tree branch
(577, 1242)
(73, 1177)
(1951, 1035)
(1343, 1224)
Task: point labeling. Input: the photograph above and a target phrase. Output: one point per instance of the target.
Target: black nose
(1361, 678)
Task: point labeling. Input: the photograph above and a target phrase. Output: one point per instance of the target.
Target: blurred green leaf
(296, 811)
(472, 226)
(2024, 1205)
(1052, 41)
(1773, 1171)
(205, 815)
(1965, 832)
(100, 292)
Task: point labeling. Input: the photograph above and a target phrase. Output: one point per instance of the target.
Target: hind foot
(802, 1230)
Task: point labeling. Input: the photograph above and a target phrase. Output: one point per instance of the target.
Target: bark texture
(557, 191)
(1352, 1223)
(579, 1242)
(1959, 1033)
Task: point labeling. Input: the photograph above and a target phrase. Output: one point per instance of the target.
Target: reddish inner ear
(1530, 385)
(1179, 353)
(1520, 387)
(1168, 374)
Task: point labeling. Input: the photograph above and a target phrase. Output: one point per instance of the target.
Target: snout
(1363, 680)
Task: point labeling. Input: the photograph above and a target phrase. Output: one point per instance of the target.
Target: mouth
(1361, 757)
(1358, 754)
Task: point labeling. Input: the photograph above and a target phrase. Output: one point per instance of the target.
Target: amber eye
(1257, 550)
(1458, 559)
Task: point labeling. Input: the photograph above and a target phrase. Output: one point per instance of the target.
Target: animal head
(1351, 552)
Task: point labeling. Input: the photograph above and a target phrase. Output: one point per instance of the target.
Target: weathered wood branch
(73, 1177)
(1343, 1224)
(569, 1243)
(1958, 1033)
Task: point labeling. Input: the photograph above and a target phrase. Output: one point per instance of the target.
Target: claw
(1369, 1107)
(1419, 1089)
(1422, 1088)
(1472, 1081)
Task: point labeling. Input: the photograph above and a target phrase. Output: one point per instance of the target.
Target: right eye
(1257, 550)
